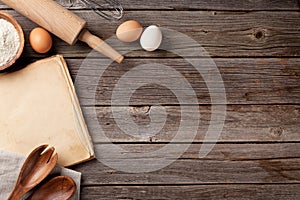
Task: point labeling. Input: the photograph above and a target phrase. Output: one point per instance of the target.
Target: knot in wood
(259, 34)
(276, 131)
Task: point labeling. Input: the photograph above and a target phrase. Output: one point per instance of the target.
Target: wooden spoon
(58, 188)
(35, 168)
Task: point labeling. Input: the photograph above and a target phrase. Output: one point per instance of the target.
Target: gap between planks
(230, 5)
(183, 184)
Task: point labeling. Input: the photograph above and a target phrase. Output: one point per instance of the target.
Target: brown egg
(40, 40)
(129, 31)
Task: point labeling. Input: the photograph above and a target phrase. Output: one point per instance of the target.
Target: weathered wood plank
(227, 163)
(198, 5)
(220, 152)
(246, 81)
(252, 123)
(224, 34)
(228, 191)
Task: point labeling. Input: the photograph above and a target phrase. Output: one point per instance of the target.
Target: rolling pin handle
(99, 45)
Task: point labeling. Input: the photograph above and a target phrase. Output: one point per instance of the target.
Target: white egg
(151, 38)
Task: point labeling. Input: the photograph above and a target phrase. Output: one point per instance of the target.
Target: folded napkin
(10, 166)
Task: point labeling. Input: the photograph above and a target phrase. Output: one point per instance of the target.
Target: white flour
(9, 41)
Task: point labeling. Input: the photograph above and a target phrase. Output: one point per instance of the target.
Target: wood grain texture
(222, 34)
(246, 5)
(217, 192)
(254, 123)
(246, 81)
(256, 47)
(227, 163)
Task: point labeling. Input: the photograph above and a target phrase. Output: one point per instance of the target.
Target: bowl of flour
(11, 40)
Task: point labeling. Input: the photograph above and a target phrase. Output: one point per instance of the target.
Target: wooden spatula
(58, 188)
(36, 167)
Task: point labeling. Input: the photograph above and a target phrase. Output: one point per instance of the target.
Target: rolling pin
(62, 23)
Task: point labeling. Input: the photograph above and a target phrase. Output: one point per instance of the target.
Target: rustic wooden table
(256, 47)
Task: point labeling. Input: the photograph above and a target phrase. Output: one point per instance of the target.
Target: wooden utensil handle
(17, 193)
(100, 46)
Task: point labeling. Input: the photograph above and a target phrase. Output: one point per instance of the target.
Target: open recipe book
(38, 105)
